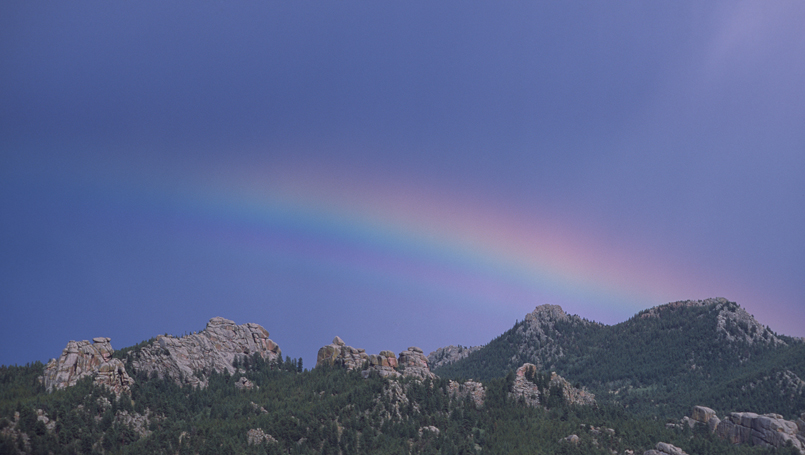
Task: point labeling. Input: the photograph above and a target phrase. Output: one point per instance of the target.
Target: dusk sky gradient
(395, 173)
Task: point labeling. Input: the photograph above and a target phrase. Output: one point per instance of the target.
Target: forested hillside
(321, 411)
(621, 389)
(660, 362)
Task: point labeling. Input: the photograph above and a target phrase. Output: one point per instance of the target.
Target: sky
(395, 173)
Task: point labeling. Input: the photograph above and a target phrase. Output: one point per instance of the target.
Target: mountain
(662, 361)
(586, 388)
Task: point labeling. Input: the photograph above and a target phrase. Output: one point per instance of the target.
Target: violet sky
(395, 173)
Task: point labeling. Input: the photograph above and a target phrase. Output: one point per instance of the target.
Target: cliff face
(189, 359)
(81, 359)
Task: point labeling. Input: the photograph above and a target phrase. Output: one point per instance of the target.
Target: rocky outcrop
(411, 363)
(530, 392)
(393, 402)
(81, 359)
(189, 359)
(384, 364)
(449, 354)
(338, 353)
(571, 439)
(78, 360)
(245, 384)
(663, 448)
(11, 431)
(572, 395)
(524, 388)
(750, 428)
(546, 316)
(258, 408)
(42, 416)
(139, 423)
(257, 436)
(434, 431)
(112, 374)
(763, 430)
(461, 390)
(704, 415)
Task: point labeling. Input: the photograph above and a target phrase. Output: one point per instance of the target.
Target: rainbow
(488, 256)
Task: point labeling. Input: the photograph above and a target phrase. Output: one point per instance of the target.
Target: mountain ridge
(591, 388)
(708, 345)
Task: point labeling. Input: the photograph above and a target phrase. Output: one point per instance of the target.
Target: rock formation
(42, 416)
(530, 392)
(13, 432)
(449, 354)
(81, 359)
(764, 430)
(385, 364)
(474, 390)
(139, 423)
(412, 362)
(393, 403)
(750, 428)
(257, 436)
(663, 448)
(245, 384)
(546, 315)
(571, 439)
(525, 388)
(188, 359)
(704, 415)
(572, 394)
(339, 354)
(430, 428)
